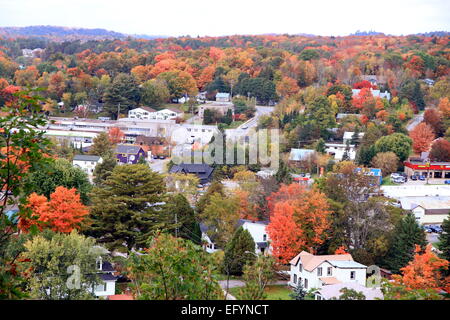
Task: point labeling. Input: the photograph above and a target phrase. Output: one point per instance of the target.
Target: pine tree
(186, 225)
(444, 239)
(102, 146)
(346, 156)
(299, 292)
(103, 170)
(128, 207)
(320, 146)
(238, 252)
(355, 137)
(407, 234)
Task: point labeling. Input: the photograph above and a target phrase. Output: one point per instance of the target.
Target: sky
(229, 17)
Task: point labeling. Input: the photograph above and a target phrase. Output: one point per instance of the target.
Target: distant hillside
(367, 33)
(65, 33)
(434, 34)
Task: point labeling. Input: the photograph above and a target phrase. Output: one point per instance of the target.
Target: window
(352, 275)
(265, 237)
(319, 272)
(295, 278)
(101, 287)
(329, 271)
(300, 268)
(306, 284)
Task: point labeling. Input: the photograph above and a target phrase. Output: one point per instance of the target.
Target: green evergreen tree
(346, 156)
(407, 234)
(238, 252)
(101, 146)
(124, 91)
(128, 207)
(320, 146)
(444, 239)
(103, 170)
(185, 220)
(299, 292)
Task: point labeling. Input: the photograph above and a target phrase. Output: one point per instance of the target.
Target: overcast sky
(227, 17)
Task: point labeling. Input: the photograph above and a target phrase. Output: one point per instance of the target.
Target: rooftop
(86, 157)
(310, 261)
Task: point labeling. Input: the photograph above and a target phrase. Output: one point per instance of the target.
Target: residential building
(106, 273)
(337, 150)
(220, 107)
(316, 271)
(348, 136)
(208, 245)
(375, 172)
(169, 113)
(128, 153)
(375, 93)
(302, 158)
(202, 171)
(333, 291)
(87, 163)
(222, 97)
(258, 231)
(427, 209)
(142, 113)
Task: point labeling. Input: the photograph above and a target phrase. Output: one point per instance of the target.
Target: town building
(337, 150)
(128, 153)
(302, 158)
(333, 291)
(432, 169)
(147, 113)
(220, 107)
(202, 171)
(376, 93)
(348, 136)
(107, 287)
(222, 97)
(316, 271)
(375, 172)
(427, 209)
(258, 231)
(87, 163)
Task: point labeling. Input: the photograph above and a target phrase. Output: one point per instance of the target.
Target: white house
(222, 97)
(107, 287)
(145, 113)
(258, 231)
(337, 150)
(375, 93)
(333, 291)
(87, 163)
(427, 209)
(348, 136)
(315, 271)
(207, 244)
(169, 113)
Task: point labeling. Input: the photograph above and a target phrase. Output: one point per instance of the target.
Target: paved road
(244, 128)
(418, 118)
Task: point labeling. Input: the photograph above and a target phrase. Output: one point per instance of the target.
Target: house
(87, 163)
(201, 95)
(426, 209)
(157, 146)
(258, 231)
(375, 172)
(201, 170)
(207, 244)
(129, 153)
(337, 150)
(348, 136)
(107, 287)
(316, 271)
(146, 113)
(333, 291)
(375, 93)
(220, 108)
(222, 97)
(429, 82)
(169, 113)
(302, 158)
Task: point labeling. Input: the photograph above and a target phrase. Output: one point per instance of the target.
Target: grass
(387, 182)
(274, 292)
(234, 125)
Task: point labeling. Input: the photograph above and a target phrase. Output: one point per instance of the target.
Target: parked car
(427, 229)
(438, 229)
(414, 177)
(422, 178)
(447, 181)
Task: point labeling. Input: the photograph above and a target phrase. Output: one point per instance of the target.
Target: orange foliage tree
(299, 221)
(63, 213)
(423, 272)
(422, 136)
(115, 135)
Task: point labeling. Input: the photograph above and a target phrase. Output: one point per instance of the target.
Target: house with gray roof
(87, 163)
(201, 170)
(129, 153)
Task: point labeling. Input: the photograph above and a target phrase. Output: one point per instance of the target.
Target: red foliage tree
(63, 213)
(440, 150)
(433, 118)
(115, 135)
(422, 136)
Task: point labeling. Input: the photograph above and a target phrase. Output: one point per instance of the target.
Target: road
(418, 118)
(244, 128)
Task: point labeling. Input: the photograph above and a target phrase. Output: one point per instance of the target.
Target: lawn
(387, 182)
(274, 292)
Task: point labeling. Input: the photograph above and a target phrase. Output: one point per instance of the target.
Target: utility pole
(118, 111)
(176, 223)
